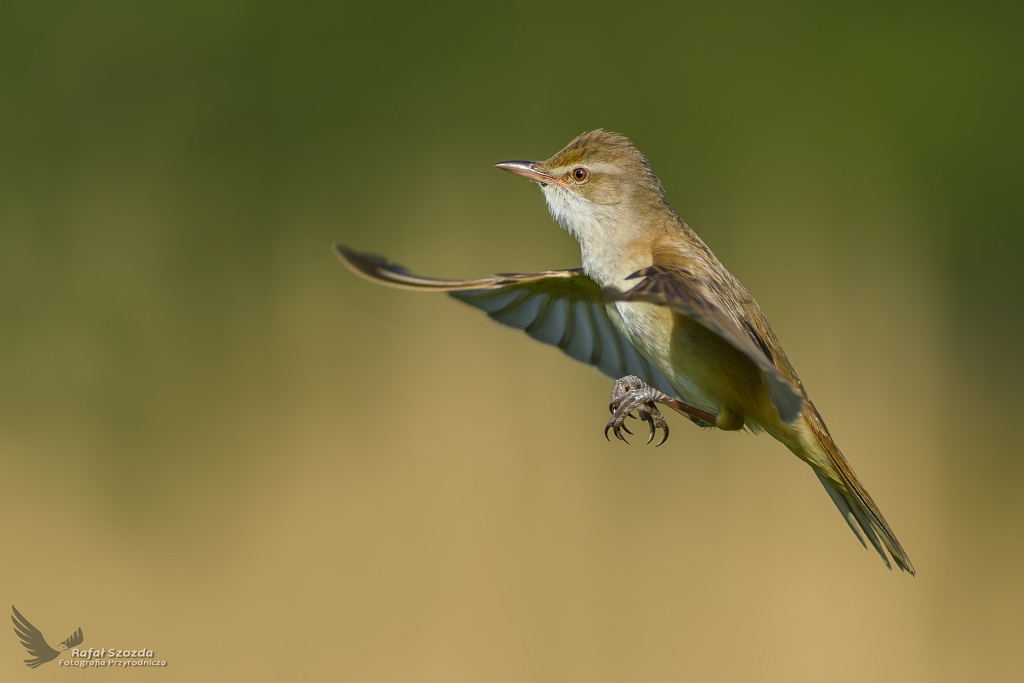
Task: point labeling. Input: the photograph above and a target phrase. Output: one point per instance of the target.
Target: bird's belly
(653, 331)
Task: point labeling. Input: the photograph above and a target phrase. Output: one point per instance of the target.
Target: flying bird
(653, 308)
(33, 640)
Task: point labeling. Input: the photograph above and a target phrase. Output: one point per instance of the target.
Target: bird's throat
(612, 246)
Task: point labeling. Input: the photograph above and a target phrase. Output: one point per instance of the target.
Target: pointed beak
(530, 170)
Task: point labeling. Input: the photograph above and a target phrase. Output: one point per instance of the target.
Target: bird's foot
(629, 394)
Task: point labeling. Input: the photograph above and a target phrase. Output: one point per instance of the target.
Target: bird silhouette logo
(32, 639)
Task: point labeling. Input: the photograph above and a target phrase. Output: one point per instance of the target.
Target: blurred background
(218, 444)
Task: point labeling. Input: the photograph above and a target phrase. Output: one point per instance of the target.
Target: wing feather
(580, 341)
(563, 308)
(523, 312)
(501, 300)
(554, 325)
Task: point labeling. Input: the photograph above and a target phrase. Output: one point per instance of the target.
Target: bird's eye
(580, 174)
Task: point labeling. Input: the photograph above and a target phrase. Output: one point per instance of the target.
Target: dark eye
(580, 174)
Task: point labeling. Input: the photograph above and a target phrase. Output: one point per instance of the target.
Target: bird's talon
(634, 399)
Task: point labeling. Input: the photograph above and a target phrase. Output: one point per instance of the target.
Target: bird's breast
(652, 330)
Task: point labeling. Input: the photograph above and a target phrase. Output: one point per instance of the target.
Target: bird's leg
(632, 393)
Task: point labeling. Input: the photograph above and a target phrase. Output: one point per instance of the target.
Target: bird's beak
(530, 170)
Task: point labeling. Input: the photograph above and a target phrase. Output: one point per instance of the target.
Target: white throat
(606, 239)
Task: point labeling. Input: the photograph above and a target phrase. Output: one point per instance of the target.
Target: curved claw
(663, 439)
(650, 423)
(616, 430)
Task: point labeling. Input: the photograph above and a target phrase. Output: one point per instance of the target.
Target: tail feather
(844, 509)
(854, 518)
(850, 496)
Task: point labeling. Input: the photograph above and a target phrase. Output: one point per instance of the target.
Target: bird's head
(600, 180)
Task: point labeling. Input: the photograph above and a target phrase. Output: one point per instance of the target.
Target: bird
(653, 308)
(33, 640)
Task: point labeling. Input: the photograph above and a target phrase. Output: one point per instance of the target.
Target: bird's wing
(74, 639)
(681, 291)
(33, 640)
(564, 308)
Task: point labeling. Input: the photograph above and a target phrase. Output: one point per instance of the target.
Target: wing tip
(378, 269)
(786, 399)
(351, 259)
(361, 263)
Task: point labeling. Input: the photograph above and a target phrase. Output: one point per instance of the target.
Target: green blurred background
(218, 444)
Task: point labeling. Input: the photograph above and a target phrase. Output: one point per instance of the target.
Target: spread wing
(33, 640)
(677, 289)
(564, 308)
(74, 639)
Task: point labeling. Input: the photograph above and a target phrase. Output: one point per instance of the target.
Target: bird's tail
(846, 491)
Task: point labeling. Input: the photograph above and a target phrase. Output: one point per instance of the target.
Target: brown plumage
(653, 304)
